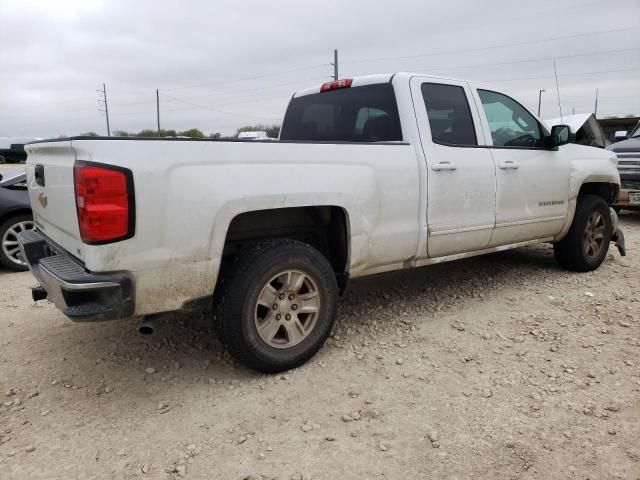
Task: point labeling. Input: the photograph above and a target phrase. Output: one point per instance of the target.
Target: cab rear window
(359, 114)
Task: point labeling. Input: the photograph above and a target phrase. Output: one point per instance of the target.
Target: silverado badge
(42, 198)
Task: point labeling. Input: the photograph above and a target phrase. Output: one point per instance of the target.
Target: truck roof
(359, 81)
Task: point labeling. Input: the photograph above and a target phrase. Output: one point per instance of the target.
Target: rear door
(460, 178)
(532, 181)
(51, 193)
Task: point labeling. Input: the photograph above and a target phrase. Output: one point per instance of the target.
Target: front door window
(510, 123)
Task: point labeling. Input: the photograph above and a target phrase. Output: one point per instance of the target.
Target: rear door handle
(444, 166)
(509, 165)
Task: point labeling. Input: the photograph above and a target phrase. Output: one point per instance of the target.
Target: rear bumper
(82, 296)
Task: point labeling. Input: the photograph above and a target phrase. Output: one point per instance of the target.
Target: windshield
(635, 133)
(360, 114)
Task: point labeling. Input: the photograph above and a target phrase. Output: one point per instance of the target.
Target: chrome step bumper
(80, 294)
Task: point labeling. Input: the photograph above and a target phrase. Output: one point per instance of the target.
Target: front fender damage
(618, 237)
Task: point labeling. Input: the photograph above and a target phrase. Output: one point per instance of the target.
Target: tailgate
(52, 195)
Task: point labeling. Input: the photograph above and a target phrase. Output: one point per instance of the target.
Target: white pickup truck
(369, 175)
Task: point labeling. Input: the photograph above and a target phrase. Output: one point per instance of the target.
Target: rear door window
(358, 114)
(449, 115)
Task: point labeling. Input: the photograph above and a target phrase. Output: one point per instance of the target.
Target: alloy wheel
(287, 309)
(10, 246)
(594, 235)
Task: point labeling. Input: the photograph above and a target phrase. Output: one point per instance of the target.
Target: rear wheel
(587, 243)
(276, 305)
(10, 255)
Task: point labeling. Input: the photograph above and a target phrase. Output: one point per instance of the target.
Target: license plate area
(634, 197)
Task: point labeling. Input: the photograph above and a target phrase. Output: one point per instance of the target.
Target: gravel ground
(498, 367)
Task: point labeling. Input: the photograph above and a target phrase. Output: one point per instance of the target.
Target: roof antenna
(558, 90)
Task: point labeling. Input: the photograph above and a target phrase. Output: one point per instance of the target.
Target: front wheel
(587, 243)
(276, 305)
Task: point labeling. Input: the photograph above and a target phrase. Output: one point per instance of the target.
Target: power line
(533, 60)
(221, 111)
(194, 105)
(311, 79)
(234, 103)
(152, 100)
(275, 85)
(477, 49)
(138, 112)
(625, 97)
(565, 75)
(255, 77)
(437, 68)
(409, 56)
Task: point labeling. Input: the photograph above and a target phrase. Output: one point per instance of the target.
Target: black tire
(5, 260)
(571, 252)
(236, 314)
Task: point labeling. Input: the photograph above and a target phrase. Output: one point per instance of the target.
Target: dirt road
(499, 367)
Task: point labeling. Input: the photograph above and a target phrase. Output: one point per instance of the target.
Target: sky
(221, 65)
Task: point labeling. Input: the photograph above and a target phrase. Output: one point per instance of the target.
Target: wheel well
(324, 227)
(608, 191)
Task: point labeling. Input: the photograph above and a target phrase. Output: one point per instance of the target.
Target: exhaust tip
(145, 329)
(38, 293)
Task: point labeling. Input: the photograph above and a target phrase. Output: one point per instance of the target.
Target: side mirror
(621, 135)
(560, 135)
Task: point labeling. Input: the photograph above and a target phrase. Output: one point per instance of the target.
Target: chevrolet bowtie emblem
(42, 198)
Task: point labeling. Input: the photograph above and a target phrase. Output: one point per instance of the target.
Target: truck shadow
(191, 335)
(184, 354)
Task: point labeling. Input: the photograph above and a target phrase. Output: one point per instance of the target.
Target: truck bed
(187, 191)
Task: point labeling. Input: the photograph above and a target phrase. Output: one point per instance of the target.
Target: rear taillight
(105, 202)
(336, 84)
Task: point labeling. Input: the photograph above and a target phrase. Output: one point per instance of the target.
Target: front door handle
(444, 166)
(509, 165)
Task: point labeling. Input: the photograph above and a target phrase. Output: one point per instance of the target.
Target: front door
(460, 178)
(532, 181)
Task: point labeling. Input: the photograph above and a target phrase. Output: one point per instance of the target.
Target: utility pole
(595, 107)
(335, 64)
(158, 108)
(555, 70)
(540, 92)
(106, 107)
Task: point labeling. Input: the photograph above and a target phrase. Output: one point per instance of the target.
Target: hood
(629, 145)
(13, 178)
(575, 122)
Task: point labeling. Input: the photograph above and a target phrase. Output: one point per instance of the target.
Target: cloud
(222, 65)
